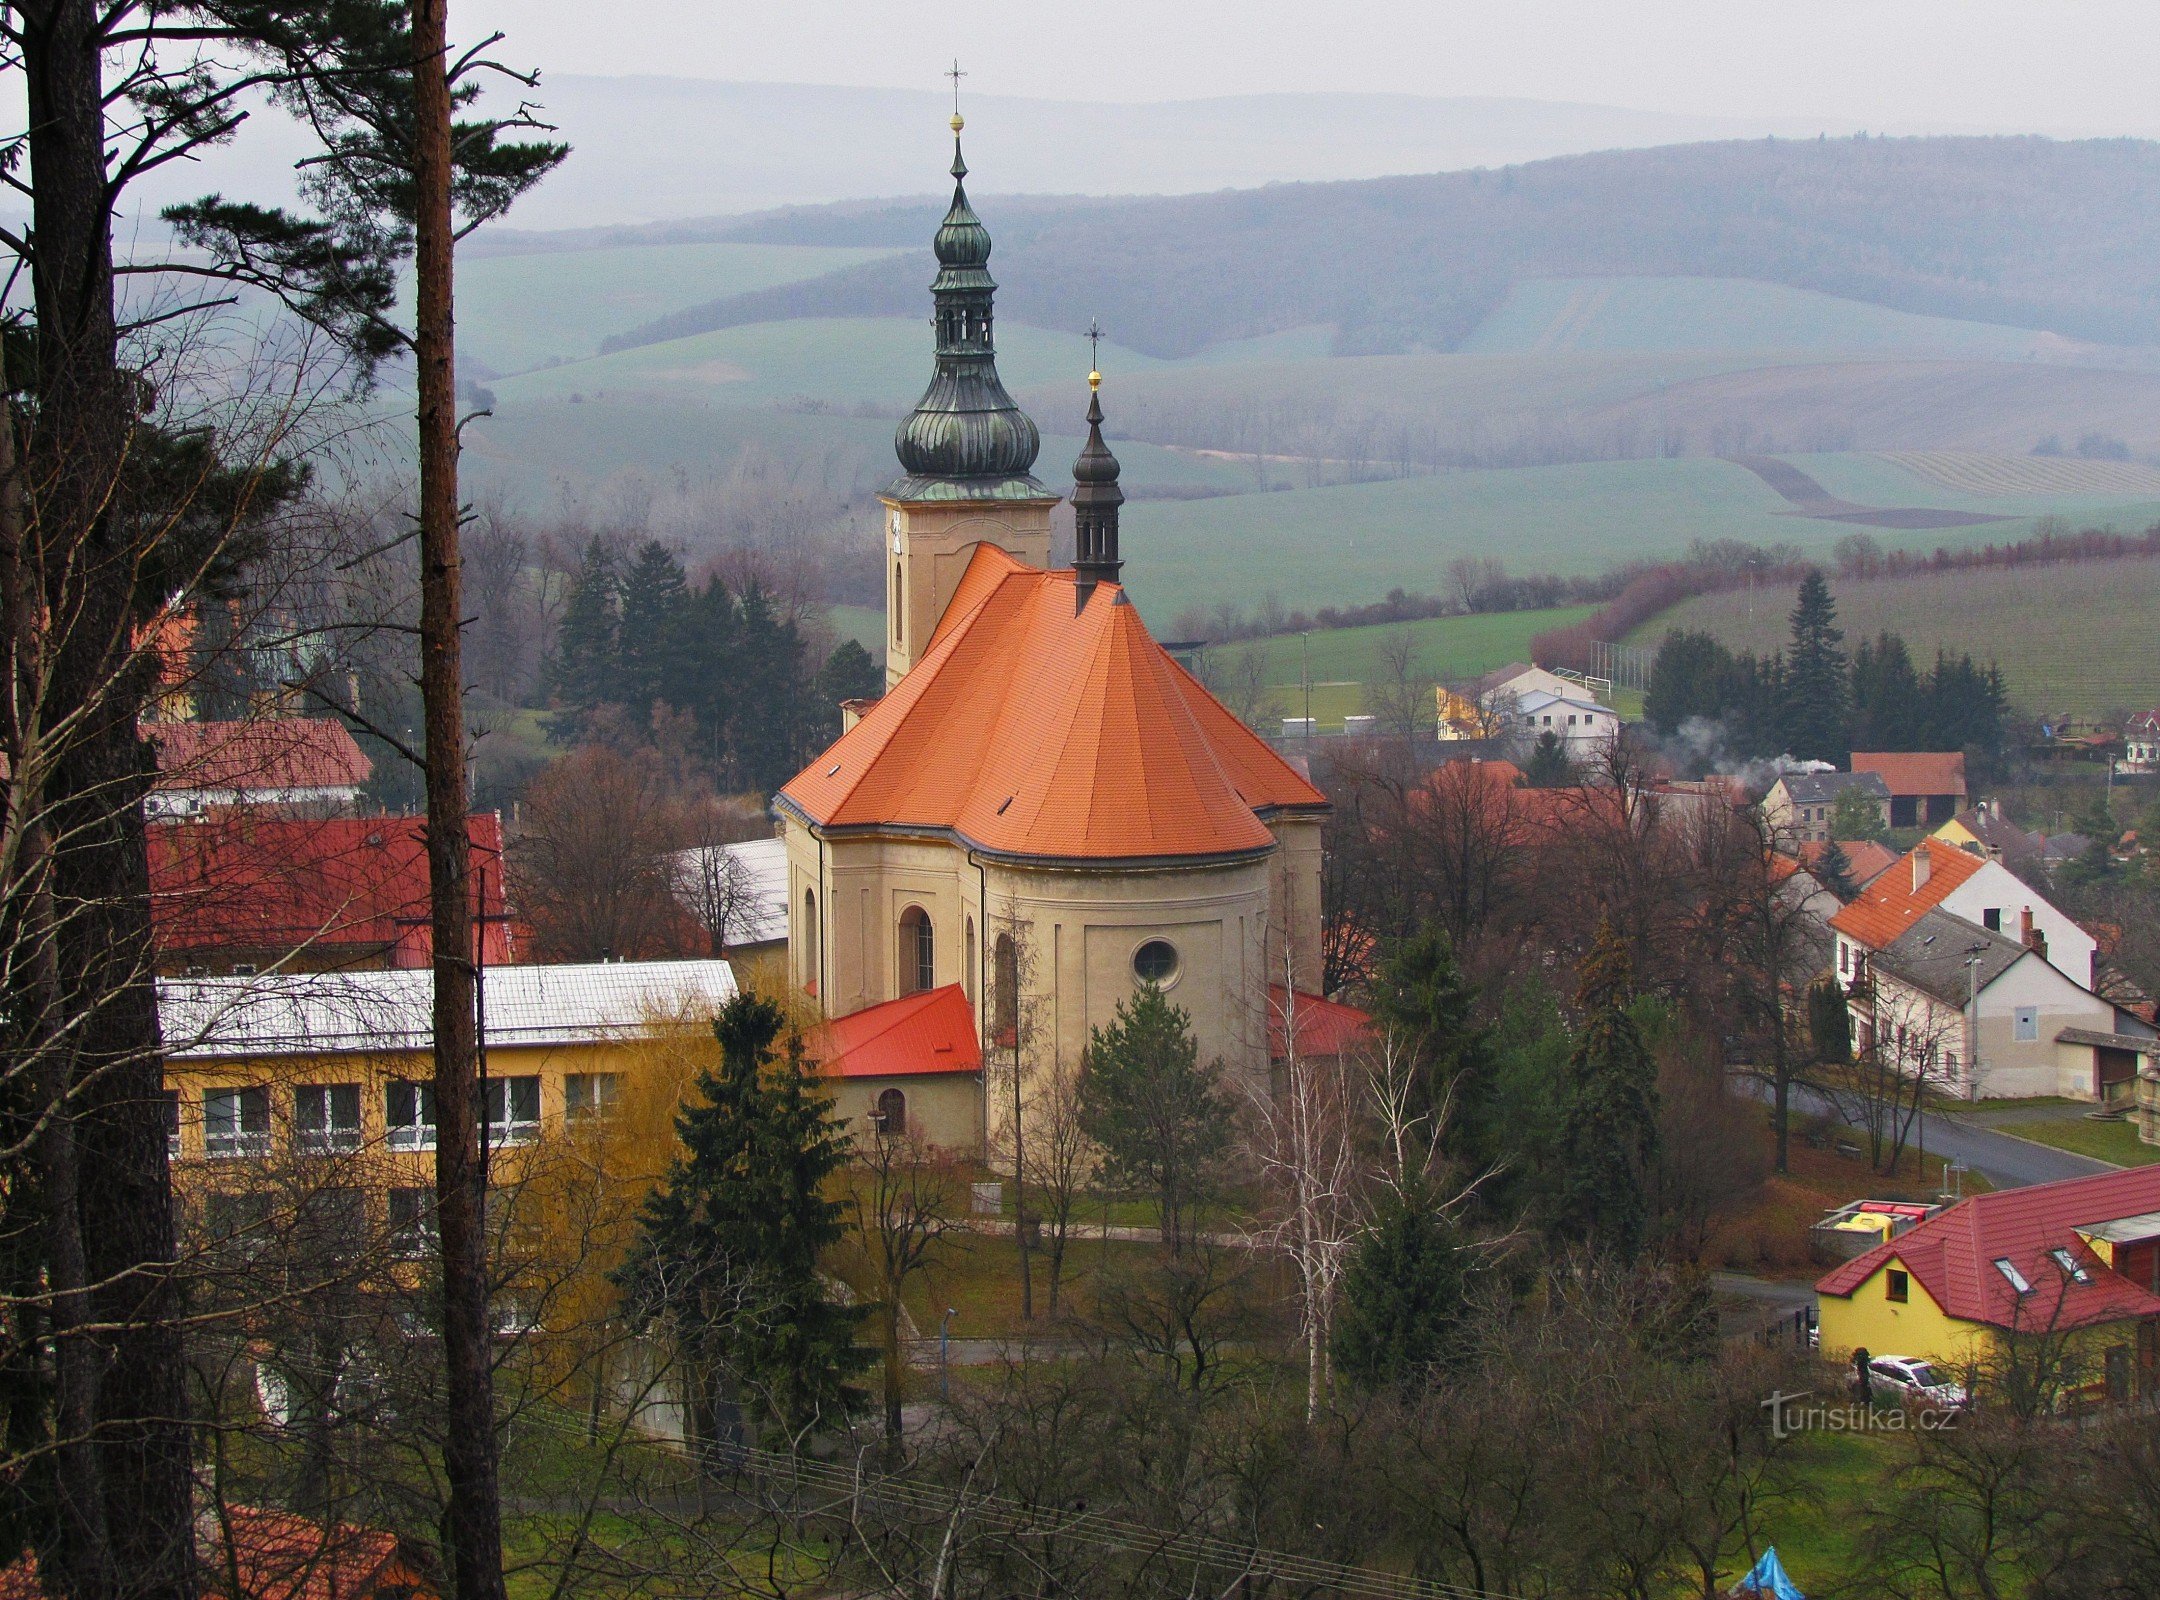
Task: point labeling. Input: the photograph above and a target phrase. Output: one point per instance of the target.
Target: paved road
(2008, 1163)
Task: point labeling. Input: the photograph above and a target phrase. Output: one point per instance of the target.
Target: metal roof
(320, 1013)
(1823, 788)
(2125, 1230)
(1931, 955)
(756, 901)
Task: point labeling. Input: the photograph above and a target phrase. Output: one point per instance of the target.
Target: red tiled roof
(930, 1031)
(245, 880)
(1865, 859)
(1032, 731)
(1890, 904)
(1915, 772)
(1953, 1254)
(276, 1555)
(1321, 1027)
(265, 753)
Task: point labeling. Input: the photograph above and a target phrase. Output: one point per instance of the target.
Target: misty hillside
(2029, 232)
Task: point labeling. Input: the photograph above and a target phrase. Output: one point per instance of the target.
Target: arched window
(809, 940)
(967, 972)
(891, 1114)
(918, 952)
(1005, 992)
(897, 607)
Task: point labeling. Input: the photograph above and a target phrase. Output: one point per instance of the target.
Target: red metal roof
(1953, 1254)
(254, 881)
(930, 1031)
(1915, 772)
(1890, 903)
(263, 753)
(1034, 730)
(276, 1555)
(1321, 1027)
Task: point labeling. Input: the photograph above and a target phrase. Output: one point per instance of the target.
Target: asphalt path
(2005, 1161)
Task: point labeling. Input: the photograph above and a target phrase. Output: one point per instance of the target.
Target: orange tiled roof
(279, 1556)
(930, 1031)
(1031, 731)
(266, 754)
(1323, 1027)
(1890, 904)
(1915, 772)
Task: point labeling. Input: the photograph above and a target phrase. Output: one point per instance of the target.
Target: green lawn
(2104, 1141)
(2075, 637)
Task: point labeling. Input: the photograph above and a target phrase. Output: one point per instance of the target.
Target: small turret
(1096, 498)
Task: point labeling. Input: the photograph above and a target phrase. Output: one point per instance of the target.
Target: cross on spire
(956, 75)
(1094, 336)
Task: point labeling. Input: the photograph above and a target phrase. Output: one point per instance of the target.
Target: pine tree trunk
(473, 1517)
(88, 570)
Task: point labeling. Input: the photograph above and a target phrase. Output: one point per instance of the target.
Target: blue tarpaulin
(1768, 1578)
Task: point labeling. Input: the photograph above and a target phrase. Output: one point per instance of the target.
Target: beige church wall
(927, 549)
(1294, 901)
(943, 1108)
(869, 884)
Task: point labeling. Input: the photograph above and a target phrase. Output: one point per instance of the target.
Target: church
(1044, 810)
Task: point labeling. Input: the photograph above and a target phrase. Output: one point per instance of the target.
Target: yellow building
(2075, 1262)
(1044, 810)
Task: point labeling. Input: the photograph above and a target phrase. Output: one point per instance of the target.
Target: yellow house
(320, 1083)
(2077, 1261)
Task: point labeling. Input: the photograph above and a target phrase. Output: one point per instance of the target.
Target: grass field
(1343, 660)
(2072, 638)
(840, 361)
(516, 312)
(1968, 472)
(1726, 314)
(2104, 1141)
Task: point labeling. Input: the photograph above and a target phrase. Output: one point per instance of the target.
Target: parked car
(1913, 1380)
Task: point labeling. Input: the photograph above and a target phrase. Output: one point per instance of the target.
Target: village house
(1044, 810)
(2141, 743)
(1985, 830)
(1518, 703)
(2075, 1262)
(1865, 859)
(1800, 805)
(1926, 788)
(739, 894)
(1965, 885)
(296, 764)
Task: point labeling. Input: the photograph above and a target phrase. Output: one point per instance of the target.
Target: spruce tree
(654, 592)
(1815, 688)
(584, 672)
(1686, 681)
(730, 1241)
(1889, 707)
(1610, 1134)
(1421, 996)
(1161, 1118)
(1402, 1310)
(1548, 766)
(1833, 870)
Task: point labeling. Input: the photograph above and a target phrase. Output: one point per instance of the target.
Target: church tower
(966, 450)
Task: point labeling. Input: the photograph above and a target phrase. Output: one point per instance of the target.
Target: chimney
(2033, 939)
(1921, 867)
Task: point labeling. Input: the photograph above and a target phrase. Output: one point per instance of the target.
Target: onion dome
(1096, 498)
(966, 439)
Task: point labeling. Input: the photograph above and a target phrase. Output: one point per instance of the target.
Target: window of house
(1897, 1287)
(412, 1223)
(590, 1094)
(409, 1109)
(1155, 962)
(326, 1116)
(891, 1113)
(172, 1122)
(2070, 1266)
(918, 952)
(2011, 1275)
(967, 967)
(237, 1219)
(1991, 919)
(1844, 956)
(511, 1109)
(1005, 992)
(331, 1224)
(2026, 1024)
(810, 940)
(236, 1122)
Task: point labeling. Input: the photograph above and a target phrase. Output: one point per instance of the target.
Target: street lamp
(1973, 957)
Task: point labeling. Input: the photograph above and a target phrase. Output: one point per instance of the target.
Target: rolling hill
(2028, 232)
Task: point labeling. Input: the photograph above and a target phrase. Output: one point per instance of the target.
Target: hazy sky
(2066, 66)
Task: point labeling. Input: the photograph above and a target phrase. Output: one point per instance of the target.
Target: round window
(1155, 961)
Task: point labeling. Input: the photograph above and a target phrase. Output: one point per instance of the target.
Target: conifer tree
(1814, 695)
(1610, 1133)
(653, 594)
(730, 1241)
(1888, 706)
(585, 673)
(1160, 1118)
(1548, 766)
(1403, 1304)
(1833, 870)
(1422, 997)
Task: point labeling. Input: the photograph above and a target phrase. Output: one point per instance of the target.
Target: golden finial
(958, 121)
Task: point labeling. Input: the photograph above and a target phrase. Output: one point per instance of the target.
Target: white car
(1909, 1378)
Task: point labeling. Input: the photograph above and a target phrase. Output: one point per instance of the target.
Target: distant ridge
(2029, 232)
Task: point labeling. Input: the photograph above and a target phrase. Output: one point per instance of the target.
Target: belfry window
(918, 951)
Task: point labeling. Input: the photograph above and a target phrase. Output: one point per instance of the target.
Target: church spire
(966, 439)
(1096, 498)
